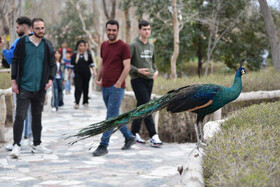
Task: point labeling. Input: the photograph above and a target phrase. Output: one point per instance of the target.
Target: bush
(5, 80)
(246, 150)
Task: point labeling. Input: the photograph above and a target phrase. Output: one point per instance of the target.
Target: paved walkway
(75, 166)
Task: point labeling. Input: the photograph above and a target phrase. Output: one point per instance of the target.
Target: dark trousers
(24, 98)
(81, 86)
(143, 89)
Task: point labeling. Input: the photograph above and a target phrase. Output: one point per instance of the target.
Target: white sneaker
(76, 106)
(15, 152)
(54, 109)
(9, 147)
(30, 142)
(139, 139)
(155, 141)
(40, 149)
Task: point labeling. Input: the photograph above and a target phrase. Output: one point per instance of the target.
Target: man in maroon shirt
(112, 72)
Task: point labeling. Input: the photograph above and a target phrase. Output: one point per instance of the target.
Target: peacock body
(202, 99)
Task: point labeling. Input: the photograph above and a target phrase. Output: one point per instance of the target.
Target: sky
(273, 2)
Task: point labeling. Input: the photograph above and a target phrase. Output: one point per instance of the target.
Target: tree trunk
(272, 34)
(97, 36)
(128, 25)
(113, 9)
(176, 39)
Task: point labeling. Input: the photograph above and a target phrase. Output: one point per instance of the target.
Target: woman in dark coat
(81, 63)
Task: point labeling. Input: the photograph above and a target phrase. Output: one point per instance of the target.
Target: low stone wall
(6, 112)
(10, 108)
(2, 116)
(171, 127)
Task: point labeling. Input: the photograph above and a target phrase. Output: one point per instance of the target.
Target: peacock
(202, 99)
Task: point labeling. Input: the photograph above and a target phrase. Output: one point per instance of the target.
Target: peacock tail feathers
(119, 121)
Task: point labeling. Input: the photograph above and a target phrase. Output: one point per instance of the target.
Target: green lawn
(252, 81)
(246, 152)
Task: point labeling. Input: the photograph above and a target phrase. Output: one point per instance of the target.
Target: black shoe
(101, 150)
(128, 143)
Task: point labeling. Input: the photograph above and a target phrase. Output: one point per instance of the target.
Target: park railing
(5, 70)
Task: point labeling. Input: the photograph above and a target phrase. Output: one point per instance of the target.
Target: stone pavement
(75, 166)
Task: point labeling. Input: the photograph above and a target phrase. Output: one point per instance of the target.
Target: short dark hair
(113, 22)
(143, 23)
(24, 20)
(36, 20)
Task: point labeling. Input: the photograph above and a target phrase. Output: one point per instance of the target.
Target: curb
(192, 170)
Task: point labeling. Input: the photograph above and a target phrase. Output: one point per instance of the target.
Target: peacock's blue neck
(233, 92)
(236, 87)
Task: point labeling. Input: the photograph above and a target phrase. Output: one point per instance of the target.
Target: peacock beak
(243, 71)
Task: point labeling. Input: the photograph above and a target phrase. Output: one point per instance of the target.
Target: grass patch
(252, 81)
(5, 80)
(246, 151)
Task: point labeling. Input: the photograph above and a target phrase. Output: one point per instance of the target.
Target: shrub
(5, 80)
(246, 150)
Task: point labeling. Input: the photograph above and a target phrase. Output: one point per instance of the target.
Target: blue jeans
(57, 93)
(112, 98)
(68, 82)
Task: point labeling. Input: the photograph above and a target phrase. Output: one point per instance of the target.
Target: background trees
(200, 31)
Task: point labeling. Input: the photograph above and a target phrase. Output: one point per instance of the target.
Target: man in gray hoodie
(143, 71)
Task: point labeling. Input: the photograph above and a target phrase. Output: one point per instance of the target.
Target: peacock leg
(197, 135)
(201, 131)
(199, 142)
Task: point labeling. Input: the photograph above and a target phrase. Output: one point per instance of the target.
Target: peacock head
(241, 70)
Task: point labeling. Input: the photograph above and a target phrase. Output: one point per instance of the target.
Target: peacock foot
(203, 140)
(201, 144)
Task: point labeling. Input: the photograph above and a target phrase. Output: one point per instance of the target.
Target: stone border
(4, 111)
(192, 170)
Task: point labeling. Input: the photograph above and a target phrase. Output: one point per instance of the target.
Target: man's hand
(144, 71)
(15, 87)
(117, 85)
(98, 82)
(48, 85)
(155, 75)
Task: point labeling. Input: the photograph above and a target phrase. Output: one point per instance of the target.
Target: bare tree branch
(77, 7)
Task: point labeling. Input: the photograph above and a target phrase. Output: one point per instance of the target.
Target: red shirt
(113, 56)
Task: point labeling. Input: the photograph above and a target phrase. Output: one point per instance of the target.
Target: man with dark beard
(112, 72)
(23, 25)
(23, 28)
(33, 69)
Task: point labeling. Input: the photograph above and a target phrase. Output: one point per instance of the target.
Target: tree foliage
(238, 29)
(70, 27)
(244, 37)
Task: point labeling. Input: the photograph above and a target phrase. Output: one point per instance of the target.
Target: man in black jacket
(33, 69)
